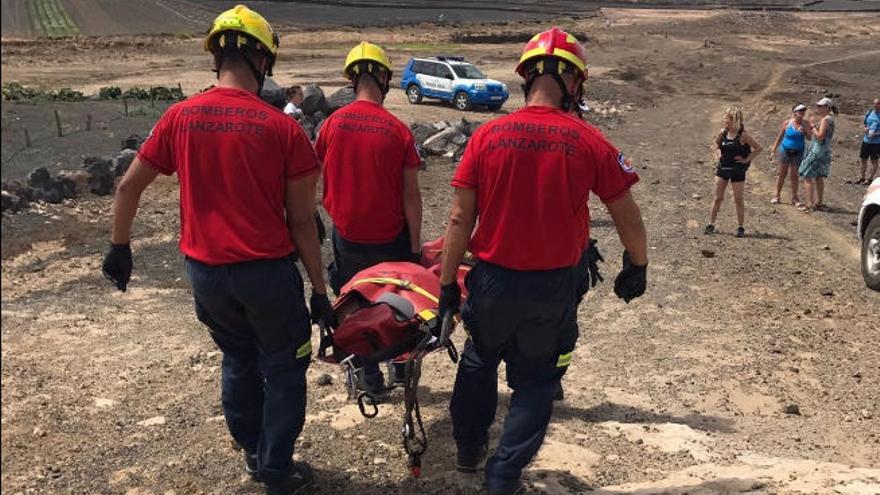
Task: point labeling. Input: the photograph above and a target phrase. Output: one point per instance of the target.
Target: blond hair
(737, 115)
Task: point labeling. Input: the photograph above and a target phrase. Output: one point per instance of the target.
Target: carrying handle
(325, 344)
(446, 329)
(364, 402)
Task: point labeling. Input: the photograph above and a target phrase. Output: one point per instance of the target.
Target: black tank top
(731, 148)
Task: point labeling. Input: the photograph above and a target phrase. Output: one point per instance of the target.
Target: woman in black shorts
(736, 148)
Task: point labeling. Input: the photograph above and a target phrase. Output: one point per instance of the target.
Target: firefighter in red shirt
(371, 185)
(527, 177)
(248, 178)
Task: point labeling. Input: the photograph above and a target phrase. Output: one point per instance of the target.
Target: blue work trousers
(527, 319)
(257, 315)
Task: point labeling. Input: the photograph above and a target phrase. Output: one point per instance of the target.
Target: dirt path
(681, 391)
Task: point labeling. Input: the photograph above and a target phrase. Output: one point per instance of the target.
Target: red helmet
(554, 43)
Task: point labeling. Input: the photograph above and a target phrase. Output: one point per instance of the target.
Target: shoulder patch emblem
(625, 163)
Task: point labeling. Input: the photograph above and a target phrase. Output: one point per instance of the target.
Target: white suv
(869, 234)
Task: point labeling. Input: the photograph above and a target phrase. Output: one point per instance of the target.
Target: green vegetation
(158, 93)
(109, 93)
(51, 18)
(17, 92)
(66, 94)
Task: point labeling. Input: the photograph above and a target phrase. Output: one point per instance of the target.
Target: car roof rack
(450, 58)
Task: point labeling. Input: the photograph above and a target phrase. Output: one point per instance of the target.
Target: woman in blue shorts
(788, 152)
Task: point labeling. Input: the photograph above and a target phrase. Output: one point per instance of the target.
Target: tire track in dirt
(774, 84)
(816, 224)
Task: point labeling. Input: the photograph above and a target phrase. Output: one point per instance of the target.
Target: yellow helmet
(360, 57)
(243, 20)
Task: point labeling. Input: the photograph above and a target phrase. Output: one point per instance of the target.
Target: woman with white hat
(788, 151)
(816, 165)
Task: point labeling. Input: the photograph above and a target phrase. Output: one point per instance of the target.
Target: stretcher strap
(403, 284)
(415, 441)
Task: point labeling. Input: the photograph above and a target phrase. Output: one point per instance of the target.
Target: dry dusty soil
(682, 391)
(24, 18)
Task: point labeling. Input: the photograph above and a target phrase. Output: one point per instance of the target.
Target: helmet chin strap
(568, 100)
(580, 103)
(259, 76)
(383, 87)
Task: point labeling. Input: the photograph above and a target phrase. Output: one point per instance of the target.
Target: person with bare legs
(737, 148)
(788, 152)
(816, 165)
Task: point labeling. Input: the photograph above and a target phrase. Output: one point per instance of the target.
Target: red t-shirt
(233, 155)
(533, 171)
(364, 149)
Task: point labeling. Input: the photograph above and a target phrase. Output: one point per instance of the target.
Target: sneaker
(468, 460)
(373, 385)
(295, 481)
(740, 232)
(250, 466)
(710, 229)
(378, 395)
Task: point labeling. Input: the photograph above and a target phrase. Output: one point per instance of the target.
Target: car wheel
(494, 108)
(413, 94)
(871, 254)
(462, 101)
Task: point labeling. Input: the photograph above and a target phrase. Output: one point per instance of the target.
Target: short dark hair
(293, 90)
(246, 55)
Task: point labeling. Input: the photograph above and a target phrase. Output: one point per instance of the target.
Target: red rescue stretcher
(388, 315)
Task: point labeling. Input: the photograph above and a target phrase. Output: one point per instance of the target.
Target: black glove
(321, 310)
(450, 299)
(593, 259)
(117, 265)
(631, 281)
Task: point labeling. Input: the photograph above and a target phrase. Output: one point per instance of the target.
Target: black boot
(560, 394)
(250, 466)
(469, 460)
(294, 481)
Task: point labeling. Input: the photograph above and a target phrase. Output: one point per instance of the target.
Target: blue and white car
(451, 79)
